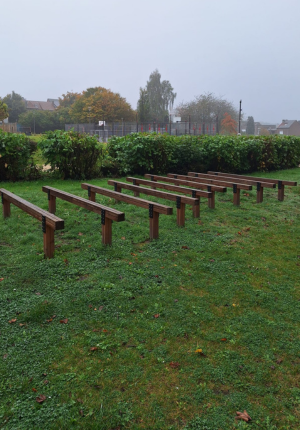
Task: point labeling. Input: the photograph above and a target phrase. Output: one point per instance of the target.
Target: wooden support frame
(50, 222)
(107, 214)
(280, 183)
(154, 208)
(190, 183)
(193, 201)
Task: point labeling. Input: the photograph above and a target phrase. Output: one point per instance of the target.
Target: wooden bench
(181, 201)
(50, 222)
(201, 186)
(236, 187)
(277, 182)
(154, 208)
(107, 214)
(258, 184)
(176, 189)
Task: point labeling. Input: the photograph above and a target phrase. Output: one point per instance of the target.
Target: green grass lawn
(227, 284)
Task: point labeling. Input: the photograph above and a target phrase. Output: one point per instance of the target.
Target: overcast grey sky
(239, 49)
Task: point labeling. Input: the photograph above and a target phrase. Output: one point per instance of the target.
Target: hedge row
(15, 157)
(161, 153)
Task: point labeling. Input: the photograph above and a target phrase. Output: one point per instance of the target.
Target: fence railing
(104, 132)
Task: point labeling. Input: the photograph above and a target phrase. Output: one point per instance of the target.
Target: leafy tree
(158, 97)
(264, 132)
(41, 121)
(143, 106)
(250, 127)
(96, 104)
(207, 108)
(228, 125)
(16, 105)
(3, 110)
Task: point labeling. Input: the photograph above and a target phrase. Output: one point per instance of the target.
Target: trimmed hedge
(161, 153)
(73, 155)
(15, 157)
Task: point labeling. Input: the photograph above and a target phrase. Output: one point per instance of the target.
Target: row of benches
(202, 185)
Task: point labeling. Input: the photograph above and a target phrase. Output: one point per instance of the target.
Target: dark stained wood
(240, 180)
(107, 232)
(281, 193)
(188, 183)
(169, 187)
(254, 178)
(214, 181)
(157, 207)
(110, 213)
(36, 212)
(161, 194)
(52, 222)
(49, 242)
(154, 221)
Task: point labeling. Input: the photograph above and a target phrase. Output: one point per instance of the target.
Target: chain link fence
(107, 130)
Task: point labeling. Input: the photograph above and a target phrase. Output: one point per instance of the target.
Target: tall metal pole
(240, 116)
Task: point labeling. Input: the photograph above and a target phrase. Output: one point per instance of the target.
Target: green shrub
(15, 157)
(142, 153)
(73, 155)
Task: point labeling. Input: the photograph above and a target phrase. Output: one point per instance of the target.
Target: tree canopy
(155, 99)
(3, 110)
(250, 127)
(16, 105)
(93, 105)
(207, 108)
(228, 124)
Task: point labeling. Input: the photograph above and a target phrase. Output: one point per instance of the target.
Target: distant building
(289, 128)
(174, 116)
(259, 126)
(49, 105)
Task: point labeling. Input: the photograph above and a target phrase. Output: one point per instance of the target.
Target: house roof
(287, 123)
(31, 104)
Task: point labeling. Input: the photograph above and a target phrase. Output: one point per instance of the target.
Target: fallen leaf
(65, 321)
(90, 306)
(104, 330)
(239, 233)
(79, 400)
(81, 412)
(46, 382)
(156, 316)
(243, 416)
(38, 294)
(66, 261)
(100, 308)
(246, 194)
(224, 339)
(80, 234)
(50, 320)
(5, 356)
(185, 247)
(12, 321)
(123, 237)
(41, 398)
(280, 360)
(21, 325)
(1, 279)
(94, 348)
(174, 364)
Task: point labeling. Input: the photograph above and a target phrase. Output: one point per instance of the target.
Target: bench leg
(196, 210)
(52, 205)
(153, 186)
(6, 208)
(107, 232)
(136, 193)
(118, 190)
(181, 215)
(211, 201)
(236, 197)
(281, 193)
(92, 196)
(154, 226)
(49, 243)
(260, 195)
